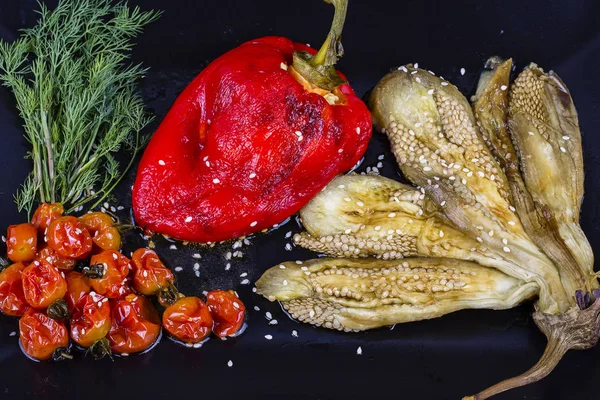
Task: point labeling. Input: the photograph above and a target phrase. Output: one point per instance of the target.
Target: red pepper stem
(319, 69)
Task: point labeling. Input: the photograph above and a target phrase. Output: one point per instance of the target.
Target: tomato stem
(99, 349)
(61, 353)
(58, 310)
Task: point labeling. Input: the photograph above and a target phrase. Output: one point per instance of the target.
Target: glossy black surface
(440, 359)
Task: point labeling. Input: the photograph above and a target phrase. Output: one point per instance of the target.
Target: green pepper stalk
(319, 69)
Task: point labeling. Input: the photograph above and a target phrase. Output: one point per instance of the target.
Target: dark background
(440, 359)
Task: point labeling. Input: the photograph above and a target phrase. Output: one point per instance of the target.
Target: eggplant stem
(555, 350)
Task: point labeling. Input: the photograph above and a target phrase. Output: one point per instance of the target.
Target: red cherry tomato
(188, 319)
(21, 242)
(52, 257)
(101, 227)
(227, 310)
(91, 320)
(69, 238)
(150, 274)
(45, 214)
(135, 324)
(78, 285)
(43, 284)
(114, 282)
(41, 335)
(12, 298)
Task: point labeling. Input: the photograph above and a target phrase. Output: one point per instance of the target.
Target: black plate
(440, 359)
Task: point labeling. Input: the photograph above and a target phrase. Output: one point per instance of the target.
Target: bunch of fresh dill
(77, 96)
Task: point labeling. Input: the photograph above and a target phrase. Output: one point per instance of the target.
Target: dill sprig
(76, 94)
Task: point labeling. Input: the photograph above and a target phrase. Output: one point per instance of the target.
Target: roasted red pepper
(252, 139)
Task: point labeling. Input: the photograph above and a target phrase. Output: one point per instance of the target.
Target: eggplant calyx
(575, 330)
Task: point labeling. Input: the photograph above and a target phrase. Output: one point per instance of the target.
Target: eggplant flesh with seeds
(528, 144)
(360, 294)
(437, 144)
(370, 215)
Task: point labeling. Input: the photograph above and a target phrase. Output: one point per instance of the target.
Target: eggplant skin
(360, 294)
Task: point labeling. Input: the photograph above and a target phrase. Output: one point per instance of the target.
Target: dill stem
(50, 160)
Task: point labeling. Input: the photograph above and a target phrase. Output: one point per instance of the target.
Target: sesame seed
(288, 235)
(391, 215)
(348, 231)
(418, 79)
(403, 68)
(285, 282)
(565, 138)
(268, 337)
(281, 266)
(256, 308)
(253, 223)
(491, 233)
(441, 233)
(506, 249)
(230, 363)
(178, 269)
(430, 91)
(13, 333)
(216, 180)
(443, 203)
(268, 315)
(196, 267)
(298, 133)
(173, 247)
(505, 241)
(161, 162)
(511, 208)
(283, 66)
(444, 83)
(197, 273)
(196, 255)
(530, 133)
(347, 199)
(563, 149)
(359, 351)
(381, 157)
(462, 71)
(252, 175)
(288, 247)
(426, 169)
(358, 130)
(295, 333)
(188, 219)
(377, 227)
(503, 87)
(208, 163)
(197, 345)
(245, 282)
(511, 222)
(4, 238)
(273, 322)
(227, 266)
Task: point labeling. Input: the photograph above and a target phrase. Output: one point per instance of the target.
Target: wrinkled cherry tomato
(113, 283)
(101, 226)
(91, 320)
(78, 285)
(150, 274)
(45, 214)
(135, 324)
(69, 238)
(21, 242)
(188, 319)
(12, 298)
(43, 284)
(52, 257)
(227, 310)
(41, 335)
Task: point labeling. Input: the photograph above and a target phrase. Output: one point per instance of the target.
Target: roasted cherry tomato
(21, 242)
(52, 257)
(45, 214)
(188, 319)
(115, 268)
(69, 238)
(101, 226)
(135, 324)
(78, 285)
(43, 284)
(41, 336)
(151, 276)
(12, 298)
(91, 319)
(227, 310)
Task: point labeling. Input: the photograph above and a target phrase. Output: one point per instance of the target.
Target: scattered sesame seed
(295, 333)
(503, 87)
(230, 363)
(288, 247)
(505, 241)
(430, 91)
(208, 163)
(281, 266)
(511, 222)
(359, 351)
(196, 255)
(256, 308)
(506, 249)
(418, 79)
(381, 157)
(216, 180)
(243, 274)
(13, 333)
(443, 203)
(403, 68)
(188, 219)
(563, 149)
(530, 133)
(245, 282)
(173, 247)
(462, 71)
(565, 138)
(273, 322)
(253, 223)
(197, 345)
(358, 130)
(178, 269)
(196, 267)
(268, 337)
(391, 215)
(511, 208)
(283, 66)
(285, 282)
(416, 65)
(288, 235)
(268, 316)
(252, 175)
(444, 84)
(197, 273)
(227, 266)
